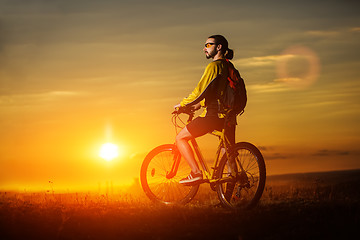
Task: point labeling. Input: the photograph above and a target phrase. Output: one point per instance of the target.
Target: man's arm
(198, 94)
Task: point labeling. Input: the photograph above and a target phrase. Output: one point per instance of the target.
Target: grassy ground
(302, 206)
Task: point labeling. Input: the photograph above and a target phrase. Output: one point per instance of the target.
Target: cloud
(264, 148)
(326, 152)
(270, 61)
(275, 156)
(268, 87)
(332, 33)
(297, 67)
(269, 154)
(323, 33)
(288, 80)
(34, 99)
(261, 61)
(355, 29)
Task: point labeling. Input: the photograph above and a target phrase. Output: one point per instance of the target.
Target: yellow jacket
(213, 70)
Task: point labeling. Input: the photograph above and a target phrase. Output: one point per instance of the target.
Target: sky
(77, 74)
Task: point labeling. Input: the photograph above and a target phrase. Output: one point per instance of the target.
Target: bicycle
(238, 174)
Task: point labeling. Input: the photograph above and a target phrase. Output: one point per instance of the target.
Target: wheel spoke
(157, 186)
(250, 178)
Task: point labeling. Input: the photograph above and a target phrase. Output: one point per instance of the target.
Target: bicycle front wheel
(155, 179)
(244, 175)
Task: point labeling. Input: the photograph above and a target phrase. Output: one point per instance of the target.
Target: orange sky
(74, 75)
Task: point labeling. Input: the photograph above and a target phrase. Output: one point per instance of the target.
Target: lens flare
(299, 67)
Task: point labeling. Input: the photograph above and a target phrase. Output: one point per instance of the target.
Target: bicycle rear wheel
(157, 185)
(246, 169)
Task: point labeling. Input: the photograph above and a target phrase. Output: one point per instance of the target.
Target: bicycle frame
(210, 177)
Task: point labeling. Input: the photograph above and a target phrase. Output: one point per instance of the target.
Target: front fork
(175, 165)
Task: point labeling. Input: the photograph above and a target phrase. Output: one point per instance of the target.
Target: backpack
(233, 98)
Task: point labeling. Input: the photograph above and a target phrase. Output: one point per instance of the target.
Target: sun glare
(109, 151)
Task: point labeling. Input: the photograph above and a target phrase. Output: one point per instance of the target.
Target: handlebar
(187, 110)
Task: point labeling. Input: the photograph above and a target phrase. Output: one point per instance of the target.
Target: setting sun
(109, 151)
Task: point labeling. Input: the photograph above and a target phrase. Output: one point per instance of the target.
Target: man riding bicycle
(206, 94)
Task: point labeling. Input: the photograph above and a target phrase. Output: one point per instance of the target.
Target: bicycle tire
(153, 178)
(245, 191)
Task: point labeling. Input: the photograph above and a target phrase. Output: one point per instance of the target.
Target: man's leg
(185, 149)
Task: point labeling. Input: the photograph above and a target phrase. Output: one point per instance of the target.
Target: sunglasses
(207, 45)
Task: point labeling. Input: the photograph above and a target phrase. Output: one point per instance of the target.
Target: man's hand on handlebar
(196, 106)
(192, 108)
(177, 106)
(187, 109)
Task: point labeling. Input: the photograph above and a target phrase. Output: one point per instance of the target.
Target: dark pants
(203, 125)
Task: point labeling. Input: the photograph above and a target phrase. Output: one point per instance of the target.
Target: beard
(210, 54)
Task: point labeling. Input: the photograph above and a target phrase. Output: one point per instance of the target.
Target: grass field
(297, 206)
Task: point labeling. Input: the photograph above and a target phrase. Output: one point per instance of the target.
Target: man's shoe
(192, 179)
